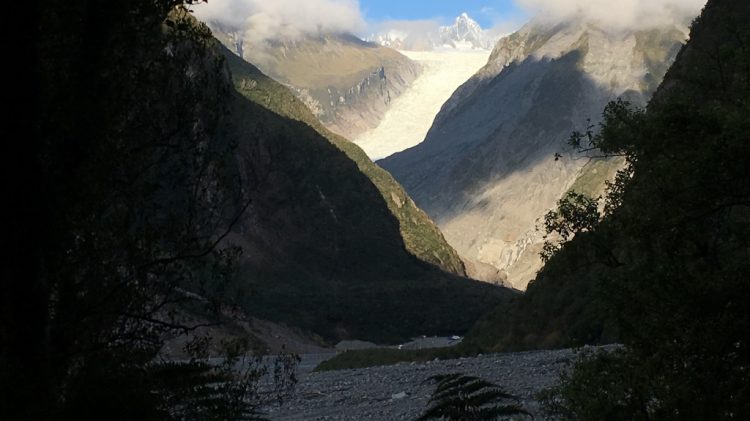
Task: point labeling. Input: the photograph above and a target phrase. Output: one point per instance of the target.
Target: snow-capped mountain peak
(465, 30)
(465, 24)
(464, 33)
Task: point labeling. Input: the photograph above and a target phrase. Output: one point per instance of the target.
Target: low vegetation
(467, 398)
(387, 356)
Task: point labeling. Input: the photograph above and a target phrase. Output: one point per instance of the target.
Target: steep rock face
(346, 82)
(329, 240)
(487, 170)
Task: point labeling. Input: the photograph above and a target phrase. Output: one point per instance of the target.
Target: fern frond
(468, 398)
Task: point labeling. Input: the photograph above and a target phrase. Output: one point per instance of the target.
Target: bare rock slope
(487, 171)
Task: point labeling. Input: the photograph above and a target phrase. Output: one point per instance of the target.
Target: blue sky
(272, 18)
(486, 12)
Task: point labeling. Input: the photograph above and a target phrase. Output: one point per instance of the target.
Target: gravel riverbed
(399, 392)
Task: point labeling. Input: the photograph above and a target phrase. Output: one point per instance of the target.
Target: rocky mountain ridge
(331, 243)
(487, 170)
(347, 83)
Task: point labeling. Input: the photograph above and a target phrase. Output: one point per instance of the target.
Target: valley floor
(411, 115)
(399, 392)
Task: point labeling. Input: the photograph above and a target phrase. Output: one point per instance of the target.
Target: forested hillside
(665, 271)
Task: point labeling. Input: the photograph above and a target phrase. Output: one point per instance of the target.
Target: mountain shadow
(487, 170)
(322, 249)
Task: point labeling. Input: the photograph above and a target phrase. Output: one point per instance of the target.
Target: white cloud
(503, 23)
(407, 27)
(262, 20)
(616, 14)
(273, 19)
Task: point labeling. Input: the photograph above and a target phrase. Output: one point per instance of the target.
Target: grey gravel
(399, 392)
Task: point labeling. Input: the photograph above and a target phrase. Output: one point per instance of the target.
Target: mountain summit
(465, 30)
(464, 34)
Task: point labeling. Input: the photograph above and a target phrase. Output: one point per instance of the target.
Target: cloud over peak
(272, 19)
(616, 14)
(262, 20)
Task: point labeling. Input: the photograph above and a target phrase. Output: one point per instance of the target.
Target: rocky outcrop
(487, 170)
(485, 272)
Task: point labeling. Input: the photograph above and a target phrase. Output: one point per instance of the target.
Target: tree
(575, 213)
(678, 226)
(134, 190)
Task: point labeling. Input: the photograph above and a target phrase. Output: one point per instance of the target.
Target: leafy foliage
(599, 386)
(362, 358)
(132, 196)
(227, 389)
(575, 213)
(461, 397)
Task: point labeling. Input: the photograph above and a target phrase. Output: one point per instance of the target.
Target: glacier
(410, 116)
